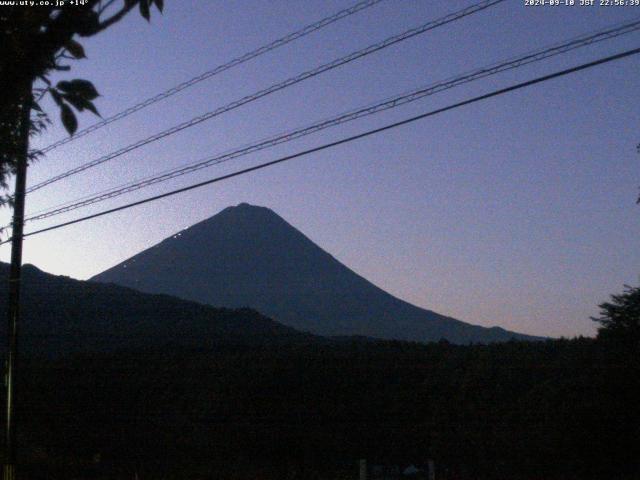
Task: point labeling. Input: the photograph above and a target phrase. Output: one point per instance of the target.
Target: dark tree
(620, 318)
(35, 41)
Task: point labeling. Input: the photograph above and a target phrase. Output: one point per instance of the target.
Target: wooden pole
(9, 471)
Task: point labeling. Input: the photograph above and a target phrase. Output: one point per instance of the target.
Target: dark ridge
(62, 316)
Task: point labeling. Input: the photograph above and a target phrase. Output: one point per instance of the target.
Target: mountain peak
(244, 210)
(246, 207)
(249, 256)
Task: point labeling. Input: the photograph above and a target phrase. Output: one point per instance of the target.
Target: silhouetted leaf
(82, 88)
(68, 119)
(144, 9)
(77, 102)
(81, 103)
(160, 4)
(65, 86)
(92, 108)
(75, 49)
(56, 96)
(88, 24)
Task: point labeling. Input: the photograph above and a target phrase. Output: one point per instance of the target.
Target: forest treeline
(560, 409)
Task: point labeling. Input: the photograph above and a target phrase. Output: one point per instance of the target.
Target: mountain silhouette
(248, 256)
(62, 316)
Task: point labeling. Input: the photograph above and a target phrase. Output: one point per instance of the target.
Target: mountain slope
(61, 315)
(248, 256)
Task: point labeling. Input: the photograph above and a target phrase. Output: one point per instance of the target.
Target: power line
(303, 32)
(393, 102)
(276, 87)
(352, 138)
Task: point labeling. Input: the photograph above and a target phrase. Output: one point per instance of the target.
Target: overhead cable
(303, 32)
(349, 139)
(495, 68)
(275, 88)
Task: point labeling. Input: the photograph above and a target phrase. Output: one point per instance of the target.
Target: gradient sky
(518, 211)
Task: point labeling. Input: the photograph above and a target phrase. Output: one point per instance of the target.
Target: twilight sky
(517, 211)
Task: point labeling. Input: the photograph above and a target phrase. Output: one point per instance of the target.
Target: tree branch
(115, 18)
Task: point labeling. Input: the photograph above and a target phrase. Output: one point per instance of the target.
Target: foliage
(116, 381)
(36, 40)
(555, 409)
(620, 318)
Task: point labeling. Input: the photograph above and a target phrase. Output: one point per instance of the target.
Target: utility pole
(9, 471)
